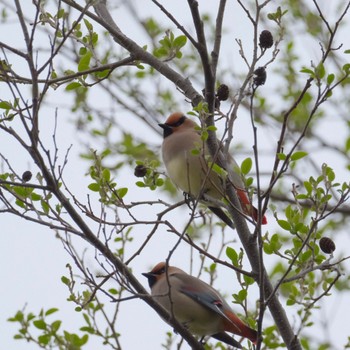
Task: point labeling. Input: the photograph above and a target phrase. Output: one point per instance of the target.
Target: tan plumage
(196, 304)
(187, 161)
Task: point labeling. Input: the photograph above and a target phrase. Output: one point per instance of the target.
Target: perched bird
(196, 305)
(186, 156)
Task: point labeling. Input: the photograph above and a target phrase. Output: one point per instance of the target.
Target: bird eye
(178, 122)
(160, 271)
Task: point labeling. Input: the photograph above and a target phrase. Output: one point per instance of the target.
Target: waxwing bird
(196, 305)
(185, 156)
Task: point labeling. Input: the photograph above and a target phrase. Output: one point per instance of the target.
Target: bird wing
(203, 294)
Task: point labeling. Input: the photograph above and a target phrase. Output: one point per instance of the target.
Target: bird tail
(234, 325)
(248, 208)
(221, 215)
(224, 337)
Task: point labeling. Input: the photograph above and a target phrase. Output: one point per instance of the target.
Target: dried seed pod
(327, 245)
(259, 76)
(265, 39)
(223, 92)
(26, 176)
(140, 170)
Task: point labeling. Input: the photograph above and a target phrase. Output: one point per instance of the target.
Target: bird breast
(187, 169)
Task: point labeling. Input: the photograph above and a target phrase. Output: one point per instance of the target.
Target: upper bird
(187, 160)
(196, 305)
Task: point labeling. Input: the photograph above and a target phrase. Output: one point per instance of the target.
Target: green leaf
(18, 317)
(180, 41)
(23, 191)
(329, 172)
(246, 166)
(306, 255)
(346, 68)
(161, 52)
(195, 152)
(242, 294)
(232, 255)
(60, 13)
(84, 339)
(290, 302)
(204, 135)
(5, 105)
(45, 206)
(329, 93)
(284, 224)
(275, 242)
(44, 339)
(122, 192)
(298, 155)
(249, 181)
(113, 291)
(330, 79)
(159, 182)
(90, 330)
(94, 187)
(267, 248)
(20, 204)
(65, 280)
(84, 62)
(73, 86)
(248, 280)
(281, 156)
(308, 186)
(56, 325)
(40, 324)
(103, 74)
(51, 311)
(308, 71)
(217, 169)
(75, 340)
(30, 317)
(35, 197)
(302, 197)
(82, 51)
(106, 174)
(320, 70)
(88, 25)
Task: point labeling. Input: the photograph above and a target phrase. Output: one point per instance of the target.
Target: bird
(196, 305)
(187, 161)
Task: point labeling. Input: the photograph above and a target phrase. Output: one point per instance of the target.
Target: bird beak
(152, 278)
(167, 130)
(147, 274)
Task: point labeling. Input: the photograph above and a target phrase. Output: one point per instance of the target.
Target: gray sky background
(33, 260)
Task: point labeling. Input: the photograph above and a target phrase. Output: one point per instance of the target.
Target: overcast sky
(33, 260)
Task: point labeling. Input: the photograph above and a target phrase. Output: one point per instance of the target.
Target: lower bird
(188, 165)
(197, 305)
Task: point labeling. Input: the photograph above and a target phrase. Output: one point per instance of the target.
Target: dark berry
(265, 39)
(140, 170)
(327, 245)
(259, 76)
(26, 176)
(223, 92)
